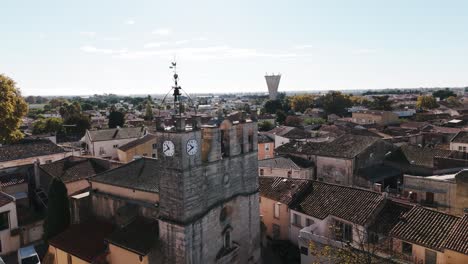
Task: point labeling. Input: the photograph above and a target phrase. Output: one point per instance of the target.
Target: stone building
(200, 198)
(145, 146)
(367, 117)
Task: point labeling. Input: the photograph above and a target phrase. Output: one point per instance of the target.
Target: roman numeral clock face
(192, 147)
(168, 148)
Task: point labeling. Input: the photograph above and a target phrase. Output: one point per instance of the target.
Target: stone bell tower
(209, 201)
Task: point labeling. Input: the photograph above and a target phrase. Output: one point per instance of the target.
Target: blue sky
(125, 47)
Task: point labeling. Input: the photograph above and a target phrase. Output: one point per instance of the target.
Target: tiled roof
(283, 190)
(297, 133)
(425, 227)
(5, 199)
(137, 142)
(28, 148)
(457, 240)
(139, 236)
(278, 162)
(349, 203)
(419, 156)
(12, 179)
(73, 168)
(389, 216)
(116, 133)
(280, 130)
(140, 174)
(346, 146)
(85, 241)
(461, 137)
(264, 138)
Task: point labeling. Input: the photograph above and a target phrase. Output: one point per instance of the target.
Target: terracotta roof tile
(425, 227)
(137, 142)
(349, 203)
(85, 241)
(280, 189)
(28, 148)
(457, 239)
(73, 168)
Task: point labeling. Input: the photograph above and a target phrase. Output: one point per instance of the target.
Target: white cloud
(301, 47)
(129, 22)
(90, 34)
(365, 51)
(180, 42)
(162, 31)
(213, 52)
(92, 49)
(156, 44)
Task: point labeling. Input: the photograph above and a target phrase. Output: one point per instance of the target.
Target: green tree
(299, 103)
(293, 121)
(86, 106)
(312, 121)
(280, 117)
(116, 118)
(442, 94)
(272, 106)
(58, 210)
(265, 126)
(57, 102)
(149, 112)
(426, 102)
(453, 101)
(381, 103)
(77, 124)
(12, 109)
(336, 103)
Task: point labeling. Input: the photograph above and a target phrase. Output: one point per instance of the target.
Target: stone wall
(202, 241)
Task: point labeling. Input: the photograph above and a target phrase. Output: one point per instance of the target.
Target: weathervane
(176, 88)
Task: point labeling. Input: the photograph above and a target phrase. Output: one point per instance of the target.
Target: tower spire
(177, 88)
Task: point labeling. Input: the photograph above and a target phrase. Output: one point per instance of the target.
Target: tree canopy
(426, 102)
(299, 103)
(12, 109)
(49, 125)
(381, 103)
(116, 118)
(336, 103)
(272, 106)
(442, 94)
(58, 210)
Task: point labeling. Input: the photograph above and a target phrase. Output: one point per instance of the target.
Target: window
(343, 231)
(406, 248)
(430, 256)
(4, 221)
(115, 146)
(276, 231)
(102, 151)
(304, 251)
(372, 237)
(155, 146)
(289, 174)
(227, 239)
(309, 222)
(154, 155)
(276, 210)
(262, 172)
(429, 197)
(462, 148)
(296, 219)
(267, 146)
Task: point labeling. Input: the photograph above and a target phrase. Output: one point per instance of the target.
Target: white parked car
(28, 255)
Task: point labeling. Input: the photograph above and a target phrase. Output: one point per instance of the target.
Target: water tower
(273, 83)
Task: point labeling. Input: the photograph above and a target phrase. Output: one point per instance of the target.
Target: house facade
(104, 143)
(367, 117)
(460, 142)
(145, 146)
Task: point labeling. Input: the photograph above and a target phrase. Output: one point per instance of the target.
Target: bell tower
(208, 206)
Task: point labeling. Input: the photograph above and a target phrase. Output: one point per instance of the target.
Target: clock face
(168, 148)
(192, 147)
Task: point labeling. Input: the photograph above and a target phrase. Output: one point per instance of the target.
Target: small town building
(104, 143)
(284, 167)
(367, 117)
(460, 142)
(145, 146)
(266, 146)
